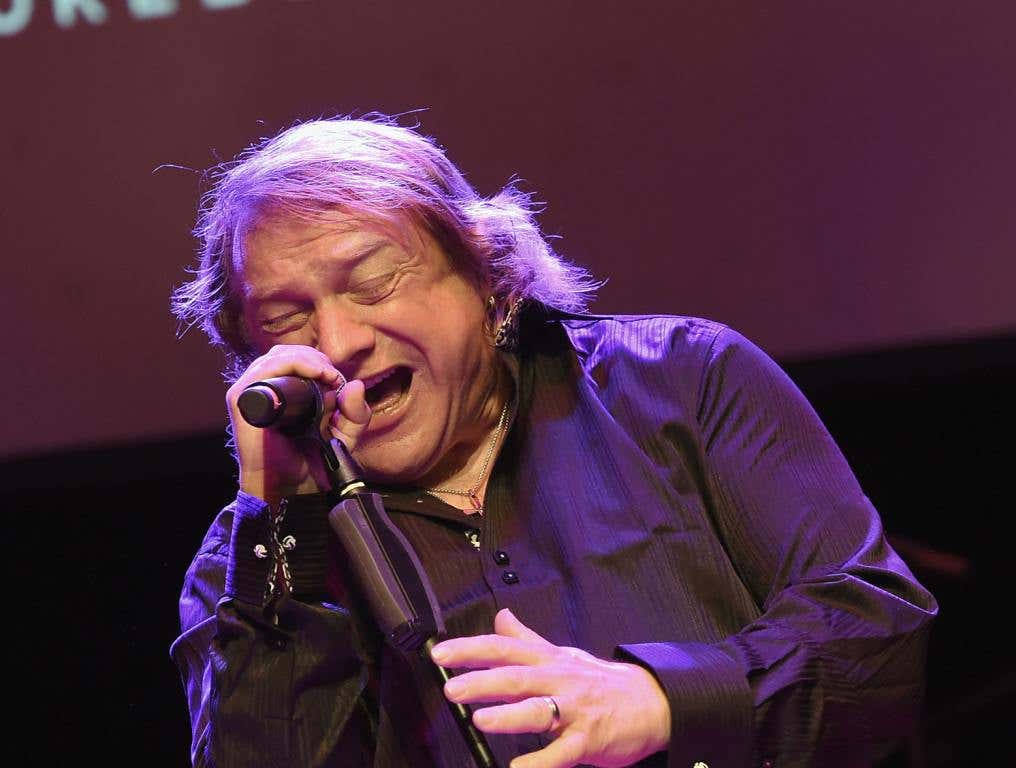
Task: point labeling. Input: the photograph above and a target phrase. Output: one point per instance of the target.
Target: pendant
(477, 506)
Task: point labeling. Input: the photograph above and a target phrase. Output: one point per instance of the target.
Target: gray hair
(371, 168)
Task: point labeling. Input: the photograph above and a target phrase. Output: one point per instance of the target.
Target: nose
(343, 334)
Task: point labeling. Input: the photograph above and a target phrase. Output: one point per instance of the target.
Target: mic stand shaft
(474, 737)
(392, 579)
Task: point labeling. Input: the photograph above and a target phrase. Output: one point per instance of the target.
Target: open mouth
(384, 393)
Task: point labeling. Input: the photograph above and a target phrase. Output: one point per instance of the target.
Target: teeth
(373, 381)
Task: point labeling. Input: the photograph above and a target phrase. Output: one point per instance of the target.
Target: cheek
(452, 313)
(454, 357)
(462, 335)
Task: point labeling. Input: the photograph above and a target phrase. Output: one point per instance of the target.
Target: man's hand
(273, 465)
(611, 713)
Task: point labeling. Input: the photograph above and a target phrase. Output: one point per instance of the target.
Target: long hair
(377, 170)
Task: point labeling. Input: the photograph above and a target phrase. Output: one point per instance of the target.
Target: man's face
(384, 304)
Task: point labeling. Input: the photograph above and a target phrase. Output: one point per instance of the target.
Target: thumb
(351, 416)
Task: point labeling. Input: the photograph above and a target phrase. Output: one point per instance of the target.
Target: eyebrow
(349, 263)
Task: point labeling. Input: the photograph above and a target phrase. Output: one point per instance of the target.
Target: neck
(469, 464)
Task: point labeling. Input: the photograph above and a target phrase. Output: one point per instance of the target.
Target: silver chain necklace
(472, 493)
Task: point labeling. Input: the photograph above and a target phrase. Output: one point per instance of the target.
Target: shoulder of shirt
(648, 336)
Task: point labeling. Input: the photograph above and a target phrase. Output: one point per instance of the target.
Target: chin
(385, 465)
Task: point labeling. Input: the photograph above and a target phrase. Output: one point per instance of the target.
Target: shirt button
(701, 765)
(510, 577)
(501, 557)
(767, 764)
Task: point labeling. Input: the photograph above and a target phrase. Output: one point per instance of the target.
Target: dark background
(833, 179)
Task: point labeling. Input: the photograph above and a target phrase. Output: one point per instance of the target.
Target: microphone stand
(383, 562)
(391, 578)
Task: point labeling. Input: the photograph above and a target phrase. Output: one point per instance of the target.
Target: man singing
(645, 545)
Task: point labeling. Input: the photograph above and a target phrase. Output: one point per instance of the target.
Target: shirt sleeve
(831, 672)
(270, 680)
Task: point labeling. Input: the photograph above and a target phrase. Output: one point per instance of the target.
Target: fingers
(513, 643)
(486, 651)
(506, 624)
(285, 360)
(291, 360)
(351, 415)
(504, 684)
(532, 715)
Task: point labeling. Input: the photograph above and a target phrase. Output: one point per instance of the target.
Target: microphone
(383, 563)
(290, 404)
(393, 582)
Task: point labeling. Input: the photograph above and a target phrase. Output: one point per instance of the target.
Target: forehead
(276, 235)
(275, 245)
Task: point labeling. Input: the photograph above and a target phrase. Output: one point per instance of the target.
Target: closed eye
(375, 289)
(286, 323)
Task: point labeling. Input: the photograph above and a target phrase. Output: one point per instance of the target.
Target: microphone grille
(259, 405)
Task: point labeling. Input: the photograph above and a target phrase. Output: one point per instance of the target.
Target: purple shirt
(665, 496)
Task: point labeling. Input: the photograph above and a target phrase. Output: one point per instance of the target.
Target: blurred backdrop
(833, 179)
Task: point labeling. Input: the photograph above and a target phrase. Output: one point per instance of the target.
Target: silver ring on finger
(555, 713)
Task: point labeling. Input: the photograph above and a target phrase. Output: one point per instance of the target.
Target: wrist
(657, 709)
(253, 484)
(257, 484)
